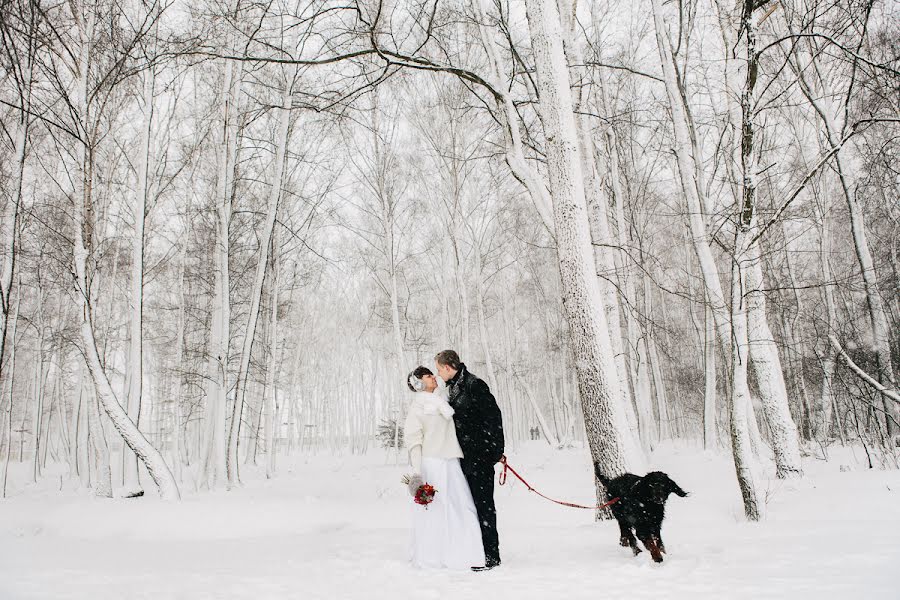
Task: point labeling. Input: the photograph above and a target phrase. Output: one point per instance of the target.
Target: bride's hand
(412, 481)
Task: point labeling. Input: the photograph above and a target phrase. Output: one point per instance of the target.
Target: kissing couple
(454, 432)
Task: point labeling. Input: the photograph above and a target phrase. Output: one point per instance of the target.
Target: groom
(479, 428)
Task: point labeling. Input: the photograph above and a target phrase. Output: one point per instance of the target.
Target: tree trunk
(214, 457)
(9, 221)
(598, 211)
(605, 419)
(37, 423)
(82, 433)
(265, 243)
(826, 108)
(766, 365)
(10, 381)
(515, 153)
(102, 480)
(131, 478)
(793, 348)
(84, 227)
(688, 174)
(150, 456)
(829, 361)
(740, 399)
(659, 386)
(272, 421)
(639, 379)
(482, 323)
(180, 448)
(710, 427)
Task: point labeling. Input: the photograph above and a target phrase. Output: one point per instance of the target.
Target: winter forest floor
(337, 528)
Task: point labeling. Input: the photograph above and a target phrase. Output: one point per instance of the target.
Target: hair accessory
(416, 384)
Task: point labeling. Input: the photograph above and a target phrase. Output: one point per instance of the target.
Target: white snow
(338, 528)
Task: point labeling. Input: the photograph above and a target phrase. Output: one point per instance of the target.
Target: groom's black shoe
(488, 565)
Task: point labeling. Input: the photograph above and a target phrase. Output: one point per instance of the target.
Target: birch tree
(19, 59)
(265, 243)
(141, 198)
(588, 328)
(215, 470)
(832, 109)
(86, 22)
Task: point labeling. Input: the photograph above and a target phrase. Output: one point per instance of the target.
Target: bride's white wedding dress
(446, 534)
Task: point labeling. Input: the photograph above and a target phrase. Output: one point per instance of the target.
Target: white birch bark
(787, 460)
(829, 361)
(826, 107)
(793, 345)
(8, 227)
(746, 253)
(82, 435)
(272, 421)
(735, 336)
(83, 230)
(740, 397)
(265, 243)
(766, 364)
(847, 176)
(710, 427)
(131, 479)
(180, 448)
(214, 461)
(646, 422)
(688, 174)
(640, 383)
(482, 324)
(387, 204)
(10, 383)
(460, 285)
(515, 153)
(102, 480)
(764, 355)
(9, 218)
(63, 427)
(149, 456)
(605, 420)
(444, 341)
(659, 385)
(38, 389)
(598, 208)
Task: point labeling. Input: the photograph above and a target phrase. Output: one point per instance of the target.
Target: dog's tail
(676, 489)
(600, 476)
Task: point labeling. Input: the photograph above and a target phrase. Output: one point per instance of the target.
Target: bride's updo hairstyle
(414, 379)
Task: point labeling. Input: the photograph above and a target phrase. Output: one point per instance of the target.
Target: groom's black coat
(479, 429)
(479, 424)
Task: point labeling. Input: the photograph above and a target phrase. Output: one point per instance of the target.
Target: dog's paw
(624, 542)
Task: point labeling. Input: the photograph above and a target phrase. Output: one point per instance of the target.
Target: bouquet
(422, 493)
(425, 495)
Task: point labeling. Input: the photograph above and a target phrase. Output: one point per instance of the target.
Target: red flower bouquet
(422, 493)
(425, 494)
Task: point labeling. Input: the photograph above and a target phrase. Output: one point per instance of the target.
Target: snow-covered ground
(338, 528)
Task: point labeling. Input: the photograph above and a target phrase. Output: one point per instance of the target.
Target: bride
(446, 534)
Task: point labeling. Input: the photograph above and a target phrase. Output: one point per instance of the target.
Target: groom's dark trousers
(480, 475)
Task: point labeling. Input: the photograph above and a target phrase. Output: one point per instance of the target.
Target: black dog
(641, 507)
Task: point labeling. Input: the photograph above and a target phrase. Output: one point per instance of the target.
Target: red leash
(506, 468)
